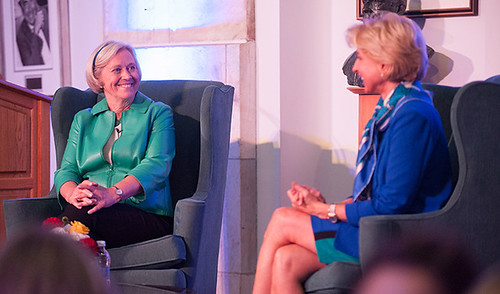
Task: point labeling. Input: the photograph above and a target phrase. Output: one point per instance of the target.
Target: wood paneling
(24, 145)
(366, 104)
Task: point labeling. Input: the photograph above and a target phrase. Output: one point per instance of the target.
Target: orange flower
(78, 227)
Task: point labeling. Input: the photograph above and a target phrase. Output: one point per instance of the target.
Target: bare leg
(287, 226)
(293, 264)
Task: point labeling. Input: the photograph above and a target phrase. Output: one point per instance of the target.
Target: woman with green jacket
(114, 173)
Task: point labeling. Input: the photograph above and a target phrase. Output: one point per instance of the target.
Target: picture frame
(433, 8)
(32, 50)
(34, 73)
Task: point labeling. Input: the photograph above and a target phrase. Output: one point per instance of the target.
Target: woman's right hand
(298, 194)
(78, 195)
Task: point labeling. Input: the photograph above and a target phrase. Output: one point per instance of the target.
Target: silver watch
(332, 216)
(119, 192)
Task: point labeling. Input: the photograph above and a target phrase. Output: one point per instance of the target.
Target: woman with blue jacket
(402, 166)
(114, 173)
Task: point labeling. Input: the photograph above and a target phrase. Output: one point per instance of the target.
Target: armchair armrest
(28, 210)
(374, 230)
(188, 218)
(339, 277)
(188, 224)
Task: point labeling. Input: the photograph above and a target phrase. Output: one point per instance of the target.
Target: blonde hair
(101, 57)
(395, 41)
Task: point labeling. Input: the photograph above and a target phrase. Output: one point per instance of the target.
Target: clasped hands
(90, 193)
(309, 200)
(306, 199)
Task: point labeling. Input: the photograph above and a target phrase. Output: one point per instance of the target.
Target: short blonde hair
(393, 40)
(101, 57)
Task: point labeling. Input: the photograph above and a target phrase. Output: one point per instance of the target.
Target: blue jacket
(144, 150)
(412, 174)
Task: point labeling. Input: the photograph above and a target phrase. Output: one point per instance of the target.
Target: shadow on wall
(440, 66)
(309, 163)
(444, 61)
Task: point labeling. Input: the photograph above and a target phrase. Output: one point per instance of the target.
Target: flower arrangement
(74, 229)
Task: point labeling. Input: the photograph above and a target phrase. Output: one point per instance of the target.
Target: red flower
(61, 225)
(52, 222)
(89, 243)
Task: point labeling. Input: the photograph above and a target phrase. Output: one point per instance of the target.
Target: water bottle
(103, 260)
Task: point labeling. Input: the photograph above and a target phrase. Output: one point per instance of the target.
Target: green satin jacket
(144, 150)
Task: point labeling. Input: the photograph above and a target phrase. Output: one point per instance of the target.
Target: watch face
(118, 190)
(332, 216)
(331, 211)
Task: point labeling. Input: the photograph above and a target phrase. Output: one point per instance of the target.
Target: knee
(283, 226)
(283, 215)
(279, 220)
(283, 261)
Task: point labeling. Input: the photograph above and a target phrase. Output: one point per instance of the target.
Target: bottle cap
(101, 243)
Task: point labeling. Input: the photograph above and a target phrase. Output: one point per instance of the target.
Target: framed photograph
(31, 31)
(431, 8)
(30, 44)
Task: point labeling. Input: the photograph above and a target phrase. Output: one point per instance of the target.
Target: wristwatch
(332, 216)
(118, 192)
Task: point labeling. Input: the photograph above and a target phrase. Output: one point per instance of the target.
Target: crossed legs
(288, 254)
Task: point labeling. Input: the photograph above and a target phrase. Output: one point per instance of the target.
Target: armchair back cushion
(443, 98)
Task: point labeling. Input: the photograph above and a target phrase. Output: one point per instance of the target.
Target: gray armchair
(188, 258)
(470, 117)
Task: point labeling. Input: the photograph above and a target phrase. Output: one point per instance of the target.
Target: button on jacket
(145, 150)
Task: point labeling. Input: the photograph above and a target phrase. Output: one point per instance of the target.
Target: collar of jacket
(141, 104)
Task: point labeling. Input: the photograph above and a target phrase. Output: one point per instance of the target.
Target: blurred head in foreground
(36, 261)
(422, 264)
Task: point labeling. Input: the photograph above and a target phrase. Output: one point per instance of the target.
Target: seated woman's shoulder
(161, 106)
(84, 113)
(160, 109)
(418, 107)
(154, 104)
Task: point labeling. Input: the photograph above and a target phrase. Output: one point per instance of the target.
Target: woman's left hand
(103, 197)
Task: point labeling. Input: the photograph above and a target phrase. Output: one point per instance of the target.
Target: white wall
(267, 27)
(306, 114)
(467, 47)
(86, 33)
(306, 129)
